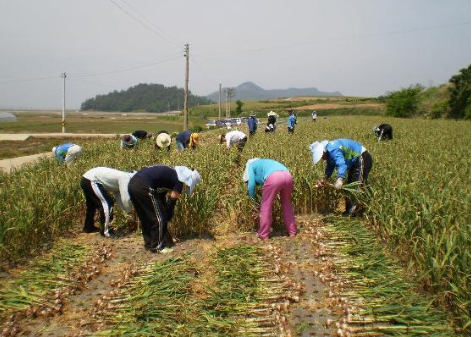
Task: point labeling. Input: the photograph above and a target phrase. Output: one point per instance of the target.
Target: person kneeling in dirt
(96, 183)
(66, 153)
(349, 158)
(383, 132)
(274, 178)
(148, 189)
(237, 138)
(163, 140)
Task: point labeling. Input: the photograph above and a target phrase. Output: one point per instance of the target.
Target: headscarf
(317, 148)
(193, 139)
(246, 170)
(189, 177)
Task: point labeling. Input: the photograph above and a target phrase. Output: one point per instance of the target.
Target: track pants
(97, 198)
(278, 182)
(151, 209)
(359, 172)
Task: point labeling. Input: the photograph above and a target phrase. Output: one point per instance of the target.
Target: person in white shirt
(96, 184)
(236, 138)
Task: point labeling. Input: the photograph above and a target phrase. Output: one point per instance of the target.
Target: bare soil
(310, 314)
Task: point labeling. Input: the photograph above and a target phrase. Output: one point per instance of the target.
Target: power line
(124, 69)
(153, 24)
(142, 23)
(29, 79)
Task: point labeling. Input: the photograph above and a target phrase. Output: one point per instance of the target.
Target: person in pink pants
(274, 179)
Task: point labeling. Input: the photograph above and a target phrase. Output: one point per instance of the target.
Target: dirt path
(307, 314)
(12, 164)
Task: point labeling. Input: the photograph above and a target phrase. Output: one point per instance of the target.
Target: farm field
(403, 268)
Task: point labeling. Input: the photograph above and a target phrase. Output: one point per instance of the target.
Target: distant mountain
(249, 91)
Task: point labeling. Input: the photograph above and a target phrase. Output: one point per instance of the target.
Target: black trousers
(359, 172)
(96, 198)
(151, 209)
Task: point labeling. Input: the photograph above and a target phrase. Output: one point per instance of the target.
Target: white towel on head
(246, 170)
(189, 177)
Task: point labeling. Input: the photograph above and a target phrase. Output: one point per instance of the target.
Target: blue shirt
(259, 170)
(342, 155)
(252, 124)
(61, 151)
(292, 121)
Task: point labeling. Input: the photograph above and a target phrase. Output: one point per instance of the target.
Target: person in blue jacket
(252, 124)
(351, 160)
(66, 153)
(292, 120)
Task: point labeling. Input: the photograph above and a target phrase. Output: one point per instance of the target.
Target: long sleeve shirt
(161, 178)
(114, 181)
(259, 170)
(342, 155)
(233, 137)
(61, 151)
(252, 124)
(184, 138)
(291, 121)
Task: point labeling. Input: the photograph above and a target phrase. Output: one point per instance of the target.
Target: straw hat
(163, 140)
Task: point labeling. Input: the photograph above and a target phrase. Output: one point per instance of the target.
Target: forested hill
(143, 97)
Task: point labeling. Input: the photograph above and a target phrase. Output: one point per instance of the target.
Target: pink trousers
(278, 182)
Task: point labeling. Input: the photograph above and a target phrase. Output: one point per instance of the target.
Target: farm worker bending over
(148, 189)
(252, 124)
(383, 132)
(128, 142)
(351, 160)
(314, 116)
(163, 140)
(141, 134)
(186, 139)
(236, 138)
(274, 178)
(95, 184)
(66, 153)
(292, 120)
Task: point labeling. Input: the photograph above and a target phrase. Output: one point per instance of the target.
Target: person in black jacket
(141, 134)
(383, 132)
(148, 190)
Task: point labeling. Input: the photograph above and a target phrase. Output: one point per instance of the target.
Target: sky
(361, 48)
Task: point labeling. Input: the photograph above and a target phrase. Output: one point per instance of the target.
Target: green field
(418, 203)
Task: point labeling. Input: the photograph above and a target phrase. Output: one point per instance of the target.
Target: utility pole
(219, 106)
(186, 87)
(64, 103)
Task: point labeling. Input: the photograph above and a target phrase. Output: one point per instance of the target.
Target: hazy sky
(357, 47)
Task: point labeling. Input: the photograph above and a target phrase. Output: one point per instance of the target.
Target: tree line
(144, 97)
(450, 100)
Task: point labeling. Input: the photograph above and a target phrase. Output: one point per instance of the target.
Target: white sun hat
(271, 113)
(189, 177)
(163, 140)
(246, 170)
(317, 148)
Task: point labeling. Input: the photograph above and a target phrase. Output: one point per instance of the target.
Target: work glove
(338, 184)
(170, 205)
